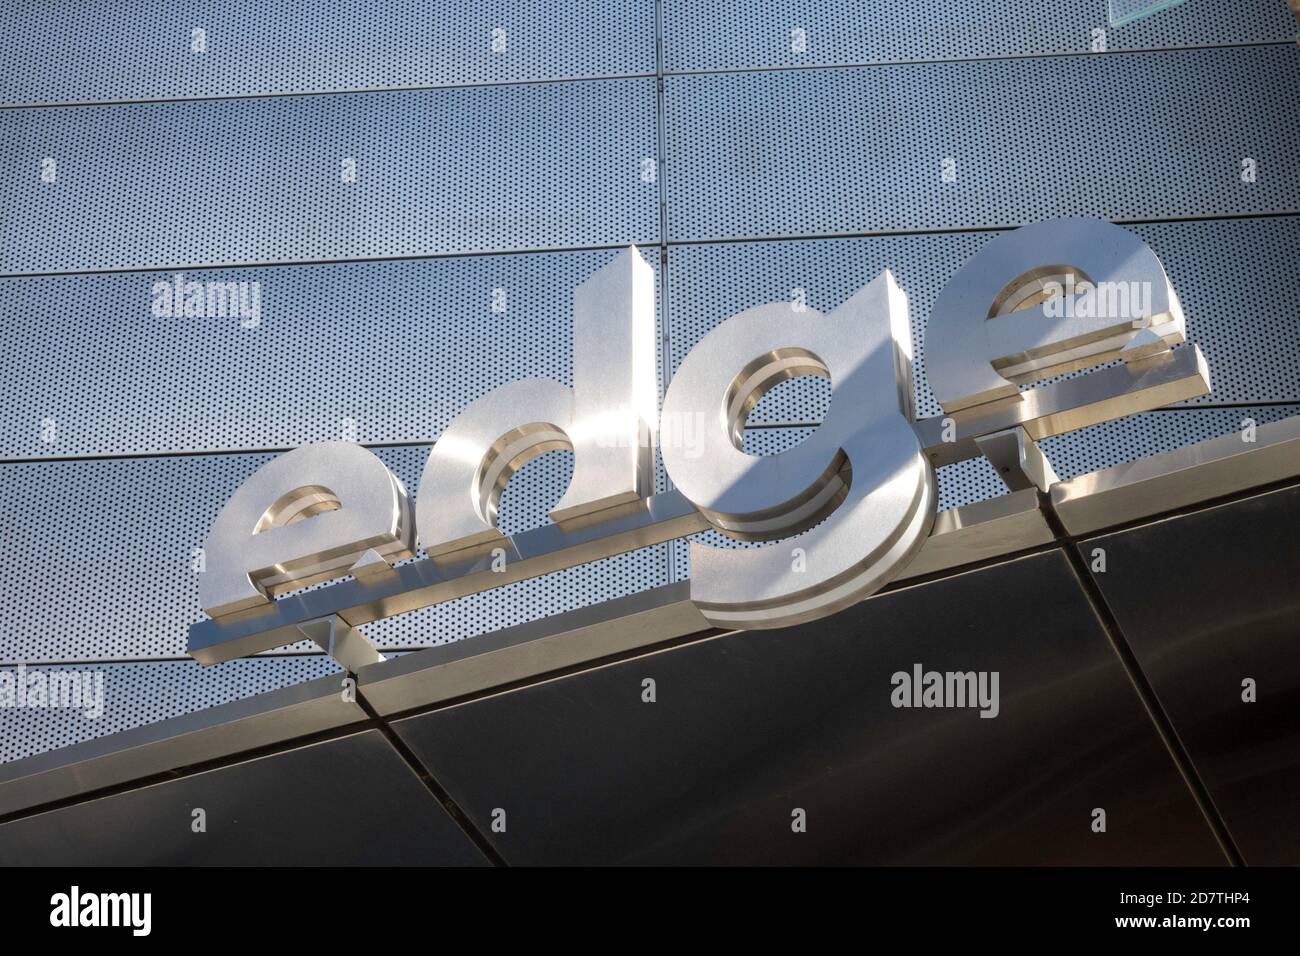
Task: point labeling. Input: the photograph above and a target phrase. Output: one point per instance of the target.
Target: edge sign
(851, 505)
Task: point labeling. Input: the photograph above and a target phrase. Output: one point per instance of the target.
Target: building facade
(390, 203)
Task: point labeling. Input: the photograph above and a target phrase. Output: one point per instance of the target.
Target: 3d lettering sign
(843, 512)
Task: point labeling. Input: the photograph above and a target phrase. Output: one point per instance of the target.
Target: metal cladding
(405, 227)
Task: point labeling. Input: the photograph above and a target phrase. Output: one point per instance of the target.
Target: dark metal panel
(1207, 600)
(750, 726)
(1122, 136)
(345, 801)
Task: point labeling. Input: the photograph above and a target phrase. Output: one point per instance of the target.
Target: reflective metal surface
(1208, 602)
(419, 584)
(1017, 459)
(998, 323)
(1177, 478)
(747, 728)
(1071, 404)
(317, 805)
(868, 525)
(855, 526)
(976, 532)
(307, 516)
(607, 419)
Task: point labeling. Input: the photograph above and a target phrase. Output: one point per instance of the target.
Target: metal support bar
(1020, 463)
(420, 584)
(349, 646)
(1049, 410)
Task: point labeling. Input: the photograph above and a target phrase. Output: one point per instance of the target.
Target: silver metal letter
(306, 516)
(1043, 300)
(606, 418)
(862, 474)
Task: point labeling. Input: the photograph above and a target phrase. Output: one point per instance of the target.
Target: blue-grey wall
(749, 147)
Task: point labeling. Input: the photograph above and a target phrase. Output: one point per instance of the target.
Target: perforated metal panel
(1118, 136)
(97, 563)
(219, 182)
(744, 34)
(99, 556)
(1233, 276)
(147, 49)
(143, 693)
(375, 352)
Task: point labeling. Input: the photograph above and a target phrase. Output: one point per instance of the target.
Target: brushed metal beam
(434, 580)
(985, 529)
(1184, 476)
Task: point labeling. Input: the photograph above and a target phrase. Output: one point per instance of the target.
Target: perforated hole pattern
(399, 348)
(745, 34)
(257, 47)
(392, 350)
(97, 557)
(857, 150)
(217, 182)
(285, 46)
(1234, 279)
